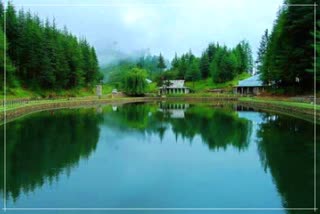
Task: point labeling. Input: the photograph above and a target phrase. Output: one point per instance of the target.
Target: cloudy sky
(166, 26)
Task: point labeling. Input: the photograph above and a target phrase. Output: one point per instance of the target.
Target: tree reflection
(41, 147)
(218, 128)
(286, 149)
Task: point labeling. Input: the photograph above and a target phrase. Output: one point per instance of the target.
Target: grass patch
(107, 89)
(281, 102)
(20, 93)
(204, 85)
(203, 94)
(152, 88)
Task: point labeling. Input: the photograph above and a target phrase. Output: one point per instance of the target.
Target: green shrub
(135, 83)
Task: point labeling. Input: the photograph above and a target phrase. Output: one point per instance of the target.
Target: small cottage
(174, 87)
(250, 86)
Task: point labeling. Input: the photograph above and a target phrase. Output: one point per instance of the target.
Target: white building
(174, 87)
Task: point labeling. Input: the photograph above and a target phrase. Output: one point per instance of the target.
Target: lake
(159, 155)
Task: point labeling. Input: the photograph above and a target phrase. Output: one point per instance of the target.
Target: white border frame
(5, 208)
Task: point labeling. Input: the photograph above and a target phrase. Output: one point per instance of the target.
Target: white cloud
(133, 15)
(166, 26)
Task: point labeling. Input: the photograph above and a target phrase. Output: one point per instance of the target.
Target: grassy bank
(21, 93)
(280, 102)
(202, 86)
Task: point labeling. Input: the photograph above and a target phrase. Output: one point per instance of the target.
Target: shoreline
(272, 106)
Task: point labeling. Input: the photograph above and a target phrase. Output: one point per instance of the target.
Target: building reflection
(174, 110)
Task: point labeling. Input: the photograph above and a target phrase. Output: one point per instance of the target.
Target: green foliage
(193, 70)
(218, 62)
(262, 50)
(318, 53)
(46, 57)
(188, 67)
(10, 69)
(316, 64)
(161, 63)
(204, 84)
(243, 57)
(204, 65)
(152, 88)
(224, 66)
(225, 63)
(135, 82)
(175, 62)
(115, 73)
(288, 58)
(150, 64)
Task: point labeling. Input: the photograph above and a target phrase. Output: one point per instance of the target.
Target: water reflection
(217, 127)
(43, 146)
(286, 149)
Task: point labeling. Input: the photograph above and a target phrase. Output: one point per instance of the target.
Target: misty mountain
(111, 56)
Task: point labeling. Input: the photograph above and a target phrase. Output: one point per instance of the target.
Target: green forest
(218, 63)
(286, 54)
(40, 56)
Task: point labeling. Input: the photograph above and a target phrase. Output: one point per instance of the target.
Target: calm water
(159, 155)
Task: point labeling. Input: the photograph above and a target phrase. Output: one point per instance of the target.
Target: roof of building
(148, 80)
(253, 81)
(175, 84)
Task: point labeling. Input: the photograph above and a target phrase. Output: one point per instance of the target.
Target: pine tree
(1, 15)
(204, 65)
(175, 62)
(262, 50)
(316, 65)
(289, 54)
(193, 72)
(183, 66)
(46, 57)
(12, 32)
(211, 51)
(161, 63)
(11, 80)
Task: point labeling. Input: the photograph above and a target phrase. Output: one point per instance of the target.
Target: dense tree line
(41, 56)
(217, 61)
(286, 56)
